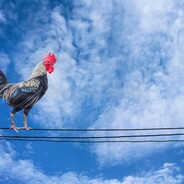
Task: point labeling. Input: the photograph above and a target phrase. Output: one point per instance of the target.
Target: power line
(98, 139)
(93, 141)
(99, 129)
(95, 137)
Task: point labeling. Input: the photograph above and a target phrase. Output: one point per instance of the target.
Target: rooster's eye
(47, 62)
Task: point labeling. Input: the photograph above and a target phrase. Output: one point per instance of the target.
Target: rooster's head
(49, 61)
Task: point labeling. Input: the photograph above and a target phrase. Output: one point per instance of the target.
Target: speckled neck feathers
(39, 70)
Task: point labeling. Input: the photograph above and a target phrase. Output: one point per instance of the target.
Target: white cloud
(2, 17)
(154, 16)
(14, 169)
(150, 111)
(154, 91)
(5, 61)
(163, 175)
(25, 171)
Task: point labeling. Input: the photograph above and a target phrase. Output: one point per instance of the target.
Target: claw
(15, 128)
(26, 128)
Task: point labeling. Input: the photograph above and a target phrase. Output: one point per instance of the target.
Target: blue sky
(120, 65)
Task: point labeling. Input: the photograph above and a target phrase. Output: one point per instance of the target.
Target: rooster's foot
(15, 128)
(25, 127)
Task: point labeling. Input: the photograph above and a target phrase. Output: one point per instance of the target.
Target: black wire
(109, 139)
(92, 141)
(94, 137)
(100, 129)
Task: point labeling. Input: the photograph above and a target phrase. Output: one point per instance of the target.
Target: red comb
(50, 57)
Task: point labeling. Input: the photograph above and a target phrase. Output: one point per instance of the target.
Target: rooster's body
(23, 95)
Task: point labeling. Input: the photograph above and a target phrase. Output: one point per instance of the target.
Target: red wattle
(50, 69)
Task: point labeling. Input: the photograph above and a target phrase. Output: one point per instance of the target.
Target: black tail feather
(3, 79)
(3, 82)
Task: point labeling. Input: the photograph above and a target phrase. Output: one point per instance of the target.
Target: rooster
(23, 95)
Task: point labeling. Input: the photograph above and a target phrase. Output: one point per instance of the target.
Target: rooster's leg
(25, 127)
(13, 126)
